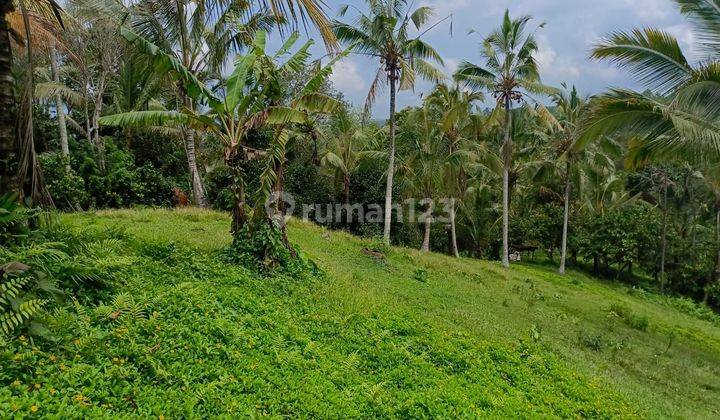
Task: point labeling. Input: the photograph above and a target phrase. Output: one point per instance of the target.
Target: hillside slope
(412, 335)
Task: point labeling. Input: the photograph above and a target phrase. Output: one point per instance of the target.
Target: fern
(124, 304)
(18, 302)
(11, 290)
(11, 319)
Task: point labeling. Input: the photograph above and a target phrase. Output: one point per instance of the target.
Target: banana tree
(246, 101)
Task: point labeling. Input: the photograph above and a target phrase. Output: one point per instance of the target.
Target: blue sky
(572, 27)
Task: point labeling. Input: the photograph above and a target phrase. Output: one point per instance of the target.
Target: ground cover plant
(183, 333)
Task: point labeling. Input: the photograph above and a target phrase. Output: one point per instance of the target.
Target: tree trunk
(60, 110)
(391, 164)
(664, 239)
(98, 141)
(566, 216)
(426, 236)
(29, 174)
(596, 264)
(196, 181)
(8, 116)
(239, 216)
(453, 235)
(282, 207)
(506, 155)
(428, 224)
(346, 189)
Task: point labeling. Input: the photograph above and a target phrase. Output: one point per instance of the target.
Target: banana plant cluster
(254, 96)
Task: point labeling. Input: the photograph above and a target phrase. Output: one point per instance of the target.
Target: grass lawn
(182, 334)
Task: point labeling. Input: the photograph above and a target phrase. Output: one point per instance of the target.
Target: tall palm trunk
(30, 175)
(97, 140)
(391, 163)
(566, 216)
(428, 224)
(196, 180)
(60, 110)
(346, 189)
(8, 116)
(453, 235)
(664, 238)
(506, 154)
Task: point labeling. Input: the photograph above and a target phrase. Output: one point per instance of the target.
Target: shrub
(421, 275)
(67, 188)
(637, 322)
(18, 304)
(592, 341)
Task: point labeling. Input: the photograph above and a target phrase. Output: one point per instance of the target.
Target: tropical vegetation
(581, 233)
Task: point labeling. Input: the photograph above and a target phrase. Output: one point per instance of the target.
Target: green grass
(412, 336)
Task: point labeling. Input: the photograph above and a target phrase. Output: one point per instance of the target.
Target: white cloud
(558, 69)
(451, 65)
(446, 7)
(650, 10)
(346, 77)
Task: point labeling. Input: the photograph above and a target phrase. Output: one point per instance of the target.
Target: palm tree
(422, 169)
(679, 117)
(383, 33)
(247, 105)
(348, 148)
(200, 38)
(456, 123)
(510, 71)
(569, 107)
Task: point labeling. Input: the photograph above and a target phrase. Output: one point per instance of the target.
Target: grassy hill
(409, 335)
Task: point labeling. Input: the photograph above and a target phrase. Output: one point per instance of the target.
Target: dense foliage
(217, 104)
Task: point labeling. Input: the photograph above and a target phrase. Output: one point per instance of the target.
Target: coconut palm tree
(456, 123)
(569, 107)
(347, 149)
(384, 34)
(423, 168)
(680, 115)
(510, 71)
(201, 39)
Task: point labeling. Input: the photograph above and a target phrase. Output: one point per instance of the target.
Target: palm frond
(705, 15)
(654, 57)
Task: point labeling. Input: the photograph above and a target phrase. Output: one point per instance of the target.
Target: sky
(572, 27)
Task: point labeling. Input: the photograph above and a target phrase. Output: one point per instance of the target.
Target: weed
(640, 323)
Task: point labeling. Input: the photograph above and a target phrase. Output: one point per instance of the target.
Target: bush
(619, 237)
(67, 188)
(640, 323)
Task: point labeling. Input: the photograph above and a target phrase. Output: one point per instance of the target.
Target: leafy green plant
(14, 220)
(18, 305)
(592, 341)
(421, 275)
(637, 322)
